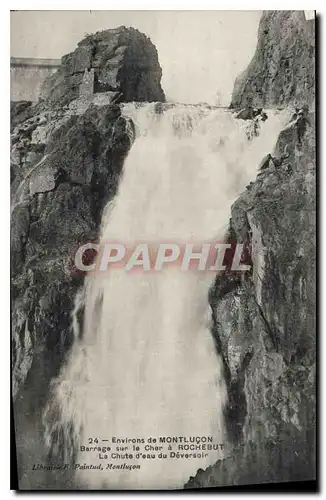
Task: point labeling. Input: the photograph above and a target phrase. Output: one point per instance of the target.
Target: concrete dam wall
(27, 76)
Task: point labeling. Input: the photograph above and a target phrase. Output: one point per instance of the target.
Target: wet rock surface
(67, 153)
(66, 158)
(123, 60)
(282, 71)
(265, 326)
(65, 167)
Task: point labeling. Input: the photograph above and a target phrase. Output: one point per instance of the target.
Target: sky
(200, 52)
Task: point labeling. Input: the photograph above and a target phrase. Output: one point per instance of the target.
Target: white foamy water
(145, 365)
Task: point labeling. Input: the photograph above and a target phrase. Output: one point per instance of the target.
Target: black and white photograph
(163, 249)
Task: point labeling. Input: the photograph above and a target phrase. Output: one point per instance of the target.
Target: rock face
(123, 60)
(282, 71)
(27, 75)
(265, 324)
(66, 158)
(65, 167)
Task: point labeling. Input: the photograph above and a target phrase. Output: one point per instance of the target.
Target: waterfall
(145, 363)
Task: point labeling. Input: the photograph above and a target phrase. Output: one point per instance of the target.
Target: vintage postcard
(163, 249)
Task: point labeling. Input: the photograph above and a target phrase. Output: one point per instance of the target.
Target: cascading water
(145, 364)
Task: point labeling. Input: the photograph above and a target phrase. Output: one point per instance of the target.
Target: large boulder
(123, 60)
(265, 326)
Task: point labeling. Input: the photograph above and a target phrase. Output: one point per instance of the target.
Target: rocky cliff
(282, 71)
(265, 327)
(123, 61)
(67, 155)
(265, 322)
(67, 152)
(65, 166)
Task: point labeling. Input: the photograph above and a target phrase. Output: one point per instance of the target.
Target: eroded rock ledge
(265, 324)
(265, 327)
(124, 61)
(282, 71)
(67, 154)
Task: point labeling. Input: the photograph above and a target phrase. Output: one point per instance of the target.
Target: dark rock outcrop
(265, 326)
(65, 166)
(265, 322)
(124, 61)
(282, 71)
